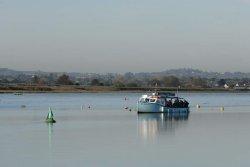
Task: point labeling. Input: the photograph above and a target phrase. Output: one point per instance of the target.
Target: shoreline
(106, 89)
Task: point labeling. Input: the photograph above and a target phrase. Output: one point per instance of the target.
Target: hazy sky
(125, 35)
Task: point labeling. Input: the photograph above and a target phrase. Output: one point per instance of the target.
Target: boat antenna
(177, 91)
(156, 87)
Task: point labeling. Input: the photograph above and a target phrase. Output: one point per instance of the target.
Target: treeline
(182, 82)
(127, 80)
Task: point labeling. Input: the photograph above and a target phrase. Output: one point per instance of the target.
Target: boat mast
(156, 88)
(177, 91)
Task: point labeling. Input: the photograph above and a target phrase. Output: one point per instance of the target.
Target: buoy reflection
(151, 125)
(50, 133)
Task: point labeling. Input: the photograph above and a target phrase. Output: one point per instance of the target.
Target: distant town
(183, 79)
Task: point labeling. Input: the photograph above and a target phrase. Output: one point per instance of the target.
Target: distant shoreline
(96, 89)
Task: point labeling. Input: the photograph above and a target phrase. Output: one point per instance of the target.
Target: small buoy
(130, 110)
(23, 106)
(50, 117)
(222, 109)
(89, 107)
(198, 106)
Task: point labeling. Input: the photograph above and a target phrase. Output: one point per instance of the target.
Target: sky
(125, 35)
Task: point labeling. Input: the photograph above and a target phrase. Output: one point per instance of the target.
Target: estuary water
(94, 129)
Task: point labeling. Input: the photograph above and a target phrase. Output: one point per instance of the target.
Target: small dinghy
(18, 93)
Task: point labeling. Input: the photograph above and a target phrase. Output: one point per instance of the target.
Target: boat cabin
(166, 101)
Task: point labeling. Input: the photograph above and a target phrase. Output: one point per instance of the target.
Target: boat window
(152, 100)
(162, 102)
(167, 99)
(144, 100)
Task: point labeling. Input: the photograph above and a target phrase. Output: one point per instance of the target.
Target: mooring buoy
(23, 106)
(50, 117)
(198, 106)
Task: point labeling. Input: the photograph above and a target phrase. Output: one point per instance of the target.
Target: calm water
(108, 135)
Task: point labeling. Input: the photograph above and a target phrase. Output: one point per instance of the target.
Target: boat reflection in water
(151, 125)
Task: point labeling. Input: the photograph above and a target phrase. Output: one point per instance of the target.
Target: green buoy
(49, 118)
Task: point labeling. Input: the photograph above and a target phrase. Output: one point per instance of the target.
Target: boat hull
(157, 108)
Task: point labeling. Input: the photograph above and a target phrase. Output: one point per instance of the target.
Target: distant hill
(183, 72)
(13, 73)
(204, 74)
(9, 72)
